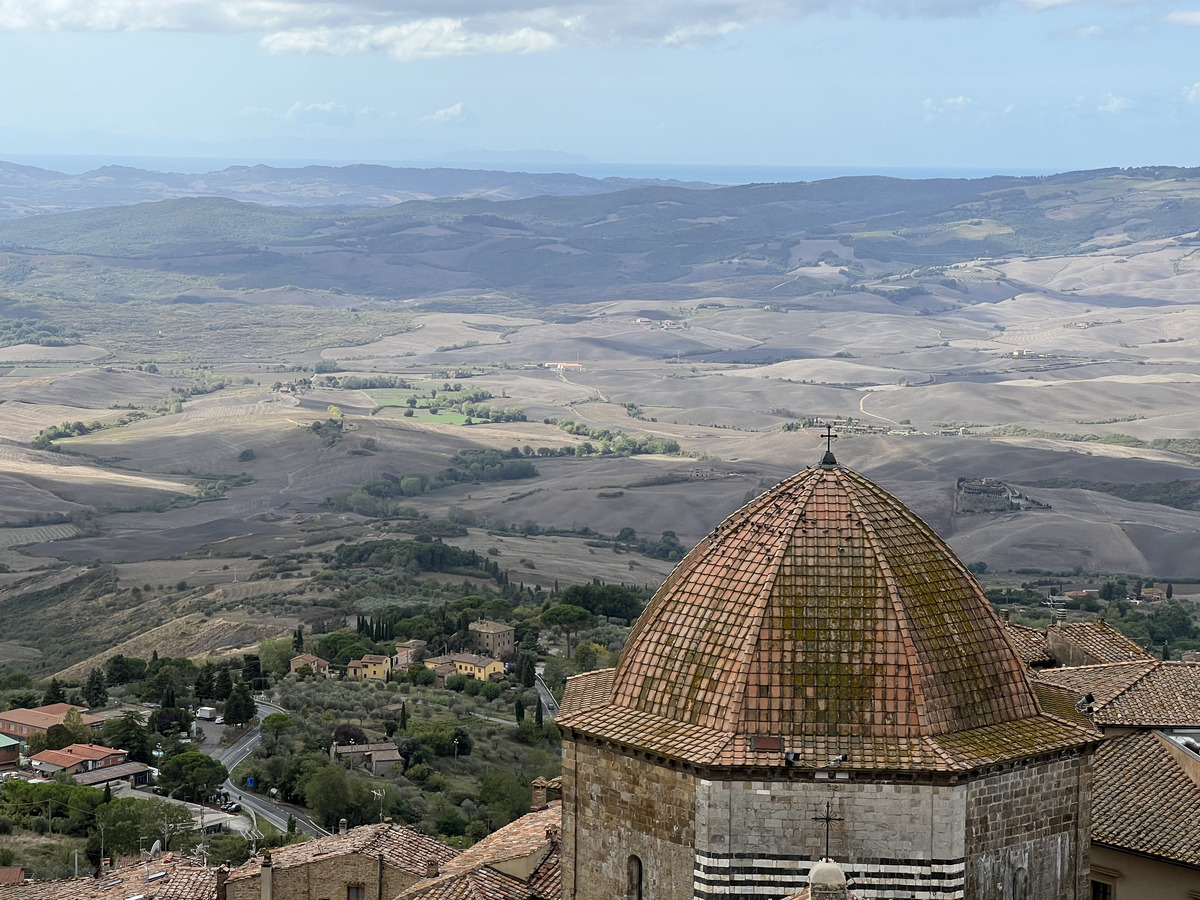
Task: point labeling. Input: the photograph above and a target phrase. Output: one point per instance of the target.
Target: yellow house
(370, 668)
(481, 668)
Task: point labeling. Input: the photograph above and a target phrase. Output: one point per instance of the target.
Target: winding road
(272, 811)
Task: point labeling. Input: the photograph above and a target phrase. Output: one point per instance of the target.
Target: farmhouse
(481, 668)
(20, 723)
(77, 758)
(493, 638)
(319, 667)
(371, 667)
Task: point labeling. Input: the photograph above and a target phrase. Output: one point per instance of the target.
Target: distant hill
(26, 190)
(776, 241)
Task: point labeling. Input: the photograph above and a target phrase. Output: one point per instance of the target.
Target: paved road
(549, 704)
(272, 811)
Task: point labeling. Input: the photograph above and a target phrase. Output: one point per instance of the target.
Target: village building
(371, 667)
(75, 759)
(318, 666)
(1089, 643)
(166, 877)
(10, 751)
(493, 638)
(822, 677)
(371, 861)
(481, 668)
(521, 861)
(21, 723)
(134, 774)
(406, 653)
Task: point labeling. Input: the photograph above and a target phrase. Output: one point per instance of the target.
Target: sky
(988, 85)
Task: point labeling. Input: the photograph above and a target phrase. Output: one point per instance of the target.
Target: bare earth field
(1059, 376)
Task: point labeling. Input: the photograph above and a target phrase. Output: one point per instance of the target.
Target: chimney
(222, 874)
(431, 867)
(1101, 621)
(379, 876)
(387, 820)
(1004, 614)
(342, 826)
(265, 876)
(539, 795)
(1062, 617)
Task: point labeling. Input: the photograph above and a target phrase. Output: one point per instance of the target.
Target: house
(481, 668)
(135, 774)
(371, 667)
(1145, 805)
(1090, 643)
(1153, 594)
(77, 758)
(367, 862)
(406, 653)
(166, 877)
(1135, 695)
(520, 861)
(10, 751)
(10, 875)
(493, 638)
(20, 723)
(319, 667)
(357, 753)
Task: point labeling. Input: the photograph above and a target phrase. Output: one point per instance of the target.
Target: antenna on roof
(378, 795)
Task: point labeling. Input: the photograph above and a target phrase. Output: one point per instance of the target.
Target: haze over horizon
(1006, 86)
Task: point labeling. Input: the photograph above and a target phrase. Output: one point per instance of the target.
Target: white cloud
(451, 115)
(937, 108)
(1190, 18)
(1113, 104)
(422, 29)
(328, 113)
(1191, 93)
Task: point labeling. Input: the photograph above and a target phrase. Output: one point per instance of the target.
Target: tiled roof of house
(822, 618)
(12, 875)
(74, 754)
(486, 626)
(1143, 799)
(44, 717)
(1148, 693)
(1101, 641)
(1031, 644)
(372, 747)
(472, 659)
(168, 877)
(401, 847)
(473, 874)
(110, 773)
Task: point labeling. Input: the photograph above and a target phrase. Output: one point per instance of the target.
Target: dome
(826, 873)
(822, 619)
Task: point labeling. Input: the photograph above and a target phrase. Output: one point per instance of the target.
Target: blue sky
(1003, 85)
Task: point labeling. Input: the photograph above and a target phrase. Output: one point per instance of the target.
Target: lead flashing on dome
(828, 461)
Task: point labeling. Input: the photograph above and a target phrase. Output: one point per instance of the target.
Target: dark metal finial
(828, 459)
(829, 818)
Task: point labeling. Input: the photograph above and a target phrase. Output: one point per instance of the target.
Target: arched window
(1020, 884)
(634, 890)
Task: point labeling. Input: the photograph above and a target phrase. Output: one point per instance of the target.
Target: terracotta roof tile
(401, 847)
(516, 839)
(1101, 641)
(184, 879)
(1031, 644)
(1150, 693)
(1143, 799)
(821, 615)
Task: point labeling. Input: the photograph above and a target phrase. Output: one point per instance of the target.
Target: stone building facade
(822, 677)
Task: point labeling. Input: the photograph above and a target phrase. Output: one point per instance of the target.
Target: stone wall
(325, 879)
(1028, 832)
(760, 838)
(625, 807)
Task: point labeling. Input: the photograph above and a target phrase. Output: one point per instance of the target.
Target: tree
(586, 656)
(298, 639)
(191, 776)
(54, 693)
(223, 686)
(57, 737)
(130, 823)
(1170, 590)
(527, 669)
(539, 717)
(239, 708)
(95, 690)
(73, 722)
(275, 655)
(404, 716)
(519, 710)
(570, 619)
(206, 682)
(275, 723)
(128, 732)
(346, 732)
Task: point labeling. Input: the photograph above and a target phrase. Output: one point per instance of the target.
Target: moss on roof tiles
(823, 609)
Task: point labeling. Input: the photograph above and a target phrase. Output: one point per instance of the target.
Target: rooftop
(75, 753)
(45, 716)
(401, 847)
(1101, 641)
(1031, 644)
(1145, 798)
(469, 658)
(168, 877)
(486, 626)
(822, 618)
(1146, 693)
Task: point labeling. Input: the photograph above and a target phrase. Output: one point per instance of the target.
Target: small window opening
(634, 891)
